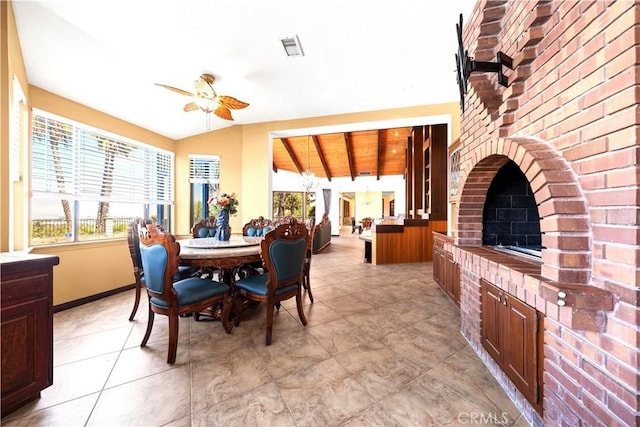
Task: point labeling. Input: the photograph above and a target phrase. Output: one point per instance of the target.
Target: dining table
(228, 256)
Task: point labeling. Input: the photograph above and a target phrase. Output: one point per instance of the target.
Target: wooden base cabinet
(446, 272)
(511, 334)
(26, 334)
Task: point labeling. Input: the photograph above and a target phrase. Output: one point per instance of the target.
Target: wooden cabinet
(426, 172)
(510, 334)
(446, 272)
(26, 333)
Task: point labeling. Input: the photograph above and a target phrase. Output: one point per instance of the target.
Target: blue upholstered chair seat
(258, 285)
(206, 232)
(192, 290)
(257, 232)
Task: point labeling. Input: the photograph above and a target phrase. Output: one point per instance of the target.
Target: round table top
(211, 248)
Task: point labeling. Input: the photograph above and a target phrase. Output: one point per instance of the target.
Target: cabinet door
(26, 351)
(492, 309)
(519, 351)
(452, 278)
(455, 281)
(438, 266)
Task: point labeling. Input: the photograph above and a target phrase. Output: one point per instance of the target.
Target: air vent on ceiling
(365, 173)
(292, 46)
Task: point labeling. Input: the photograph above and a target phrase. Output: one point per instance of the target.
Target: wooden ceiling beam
(379, 158)
(321, 155)
(287, 146)
(347, 141)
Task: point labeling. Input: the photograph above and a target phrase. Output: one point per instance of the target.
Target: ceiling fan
(207, 100)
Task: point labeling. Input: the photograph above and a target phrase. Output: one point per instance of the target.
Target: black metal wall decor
(465, 65)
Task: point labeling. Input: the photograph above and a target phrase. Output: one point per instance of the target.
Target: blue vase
(223, 232)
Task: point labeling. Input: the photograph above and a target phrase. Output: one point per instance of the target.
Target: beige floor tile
(324, 394)
(382, 348)
(68, 414)
(226, 376)
(154, 400)
(262, 406)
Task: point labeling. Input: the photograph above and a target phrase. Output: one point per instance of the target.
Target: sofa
(322, 234)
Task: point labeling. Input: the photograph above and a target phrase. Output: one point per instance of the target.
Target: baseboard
(82, 301)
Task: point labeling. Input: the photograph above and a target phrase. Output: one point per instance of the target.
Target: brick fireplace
(569, 121)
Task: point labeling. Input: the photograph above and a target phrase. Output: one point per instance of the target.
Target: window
(87, 184)
(204, 180)
(298, 204)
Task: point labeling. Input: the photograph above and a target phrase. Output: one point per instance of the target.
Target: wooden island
(403, 241)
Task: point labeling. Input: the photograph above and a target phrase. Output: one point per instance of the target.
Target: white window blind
(89, 164)
(204, 169)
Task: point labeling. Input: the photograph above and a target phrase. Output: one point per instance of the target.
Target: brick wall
(569, 119)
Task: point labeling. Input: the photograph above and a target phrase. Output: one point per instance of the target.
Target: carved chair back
(366, 222)
(257, 227)
(287, 219)
(204, 228)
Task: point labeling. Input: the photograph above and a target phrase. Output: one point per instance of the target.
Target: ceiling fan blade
(208, 78)
(223, 112)
(192, 106)
(175, 89)
(231, 102)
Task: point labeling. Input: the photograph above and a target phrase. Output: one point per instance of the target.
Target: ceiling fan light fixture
(292, 46)
(205, 104)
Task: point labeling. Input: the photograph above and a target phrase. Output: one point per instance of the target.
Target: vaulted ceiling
(372, 56)
(359, 55)
(376, 152)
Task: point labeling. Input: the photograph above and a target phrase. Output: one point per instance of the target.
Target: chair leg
(301, 315)
(173, 338)
(236, 300)
(149, 327)
(137, 300)
(270, 307)
(226, 309)
(307, 283)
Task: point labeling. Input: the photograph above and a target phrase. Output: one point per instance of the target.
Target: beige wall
(11, 64)
(91, 268)
(226, 143)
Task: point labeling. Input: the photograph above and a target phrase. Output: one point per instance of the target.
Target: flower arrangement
(225, 201)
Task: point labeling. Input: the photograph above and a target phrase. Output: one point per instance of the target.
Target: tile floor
(382, 348)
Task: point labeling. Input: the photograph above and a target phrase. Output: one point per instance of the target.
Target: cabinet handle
(504, 301)
(499, 298)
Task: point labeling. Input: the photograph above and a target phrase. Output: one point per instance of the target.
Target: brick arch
(562, 206)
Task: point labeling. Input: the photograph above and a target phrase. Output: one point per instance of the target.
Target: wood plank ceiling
(375, 152)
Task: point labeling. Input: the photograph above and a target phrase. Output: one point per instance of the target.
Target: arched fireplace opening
(510, 214)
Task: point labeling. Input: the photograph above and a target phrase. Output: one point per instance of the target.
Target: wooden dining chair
(136, 227)
(306, 284)
(206, 227)
(287, 219)
(283, 252)
(134, 251)
(160, 254)
(257, 227)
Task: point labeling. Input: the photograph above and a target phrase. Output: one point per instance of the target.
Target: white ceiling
(360, 55)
